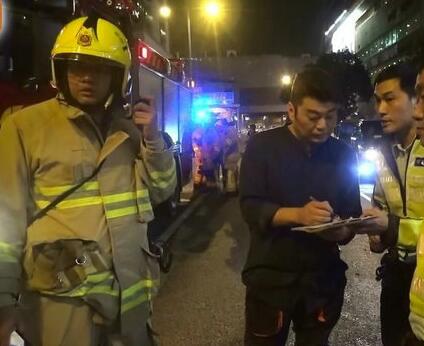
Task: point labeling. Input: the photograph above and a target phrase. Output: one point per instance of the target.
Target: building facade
(381, 32)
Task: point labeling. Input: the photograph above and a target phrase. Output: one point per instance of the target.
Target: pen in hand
(334, 216)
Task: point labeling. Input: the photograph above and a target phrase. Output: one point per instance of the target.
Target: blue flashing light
(201, 109)
(200, 101)
(366, 169)
(202, 116)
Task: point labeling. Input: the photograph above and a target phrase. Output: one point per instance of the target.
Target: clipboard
(335, 224)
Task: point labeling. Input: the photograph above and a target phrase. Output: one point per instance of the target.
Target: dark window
(54, 3)
(406, 4)
(20, 40)
(392, 15)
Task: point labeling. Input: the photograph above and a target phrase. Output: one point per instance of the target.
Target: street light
(212, 9)
(165, 11)
(286, 80)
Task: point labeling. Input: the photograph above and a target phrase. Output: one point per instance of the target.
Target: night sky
(287, 27)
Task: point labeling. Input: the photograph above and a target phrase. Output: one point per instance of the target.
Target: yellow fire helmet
(95, 38)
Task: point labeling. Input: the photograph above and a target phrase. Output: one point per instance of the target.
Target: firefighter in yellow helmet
(77, 182)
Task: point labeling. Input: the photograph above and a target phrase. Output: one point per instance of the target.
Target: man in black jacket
(291, 176)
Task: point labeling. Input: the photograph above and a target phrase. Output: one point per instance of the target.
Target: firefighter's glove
(315, 213)
(376, 226)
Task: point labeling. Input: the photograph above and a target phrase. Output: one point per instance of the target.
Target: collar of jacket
(121, 128)
(387, 151)
(72, 112)
(118, 120)
(69, 111)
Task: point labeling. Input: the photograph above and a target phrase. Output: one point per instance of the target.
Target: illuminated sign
(150, 58)
(339, 18)
(344, 36)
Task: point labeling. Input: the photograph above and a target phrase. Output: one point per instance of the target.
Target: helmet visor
(83, 58)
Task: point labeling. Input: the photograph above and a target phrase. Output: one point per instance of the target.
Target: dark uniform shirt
(276, 172)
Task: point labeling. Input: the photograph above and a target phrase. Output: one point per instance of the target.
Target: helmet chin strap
(109, 101)
(66, 97)
(100, 107)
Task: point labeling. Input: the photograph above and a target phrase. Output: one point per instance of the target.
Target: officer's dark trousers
(269, 326)
(394, 309)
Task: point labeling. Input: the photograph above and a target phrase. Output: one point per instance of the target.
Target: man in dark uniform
(291, 176)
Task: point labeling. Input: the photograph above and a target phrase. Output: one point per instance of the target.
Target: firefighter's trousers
(53, 321)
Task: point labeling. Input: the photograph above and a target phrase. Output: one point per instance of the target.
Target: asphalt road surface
(201, 301)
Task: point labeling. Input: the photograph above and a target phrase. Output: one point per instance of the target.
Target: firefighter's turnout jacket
(92, 245)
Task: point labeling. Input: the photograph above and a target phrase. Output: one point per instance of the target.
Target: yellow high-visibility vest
(416, 294)
(410, 208)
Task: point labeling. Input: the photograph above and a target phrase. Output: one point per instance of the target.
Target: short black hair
(316, 83)
(405, 72)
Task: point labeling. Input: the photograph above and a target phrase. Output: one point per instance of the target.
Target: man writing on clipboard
(397, 199)
(297, 175)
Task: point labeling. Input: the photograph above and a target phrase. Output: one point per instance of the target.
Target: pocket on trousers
(263, 320)
(43, 274)
(64, 265)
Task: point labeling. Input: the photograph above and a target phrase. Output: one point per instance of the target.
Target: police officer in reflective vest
(398, 199)
(83, 268)
(416, 317)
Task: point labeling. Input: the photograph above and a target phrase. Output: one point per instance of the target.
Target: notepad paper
(335, 224)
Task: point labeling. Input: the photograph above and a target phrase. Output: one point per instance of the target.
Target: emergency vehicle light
(371, 154)
(150, 58)
(144, 52)
(366, 169)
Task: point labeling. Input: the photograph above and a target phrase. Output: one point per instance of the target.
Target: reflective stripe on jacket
(48, 148)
